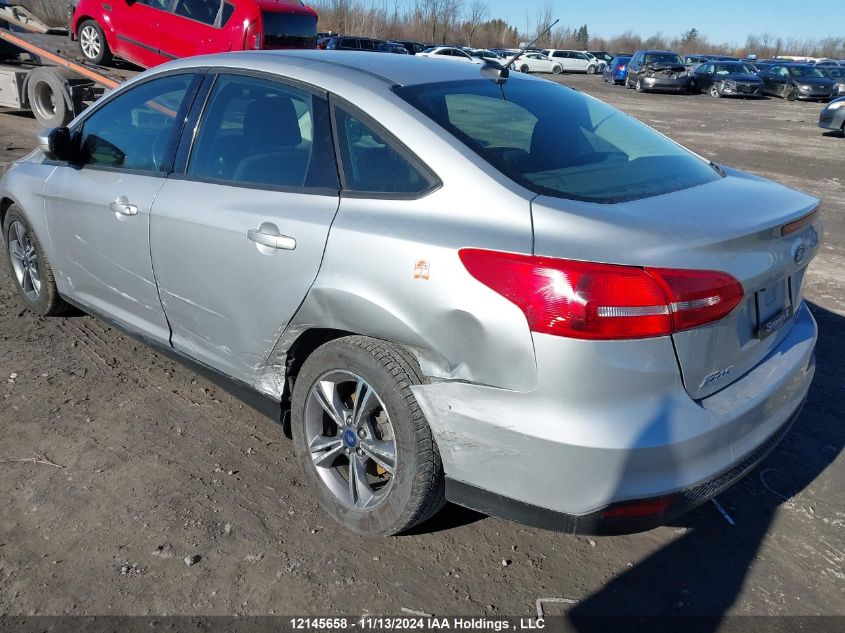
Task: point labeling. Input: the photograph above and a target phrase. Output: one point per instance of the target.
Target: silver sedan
(452, 283)
(833, 115)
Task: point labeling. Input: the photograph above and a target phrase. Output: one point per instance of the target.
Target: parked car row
(654, 70)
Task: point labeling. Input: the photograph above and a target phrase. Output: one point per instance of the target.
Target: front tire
(639, 87)
(715, 92)
(361, 438)
(93, 44)
(556, 70)
(524, 68)
(591, 69)
(31, 271)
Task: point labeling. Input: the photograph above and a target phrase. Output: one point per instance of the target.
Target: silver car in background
(452, 284)
(832, 117)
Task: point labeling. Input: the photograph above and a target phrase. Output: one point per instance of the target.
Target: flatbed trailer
(44, 73)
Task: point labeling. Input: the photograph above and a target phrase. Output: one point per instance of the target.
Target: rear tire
(45, 92)
(398, 493)
(92, 43)
(30, 269)
(524, 68)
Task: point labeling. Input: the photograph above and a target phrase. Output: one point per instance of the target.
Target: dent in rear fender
(391, 270)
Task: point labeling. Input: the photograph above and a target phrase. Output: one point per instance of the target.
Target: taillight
(252, 37)
(587, 300)
(620, 67)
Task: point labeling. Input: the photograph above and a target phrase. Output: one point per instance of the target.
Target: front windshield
(735, 68)
(805, 71)
(559, 142)
(662, 58)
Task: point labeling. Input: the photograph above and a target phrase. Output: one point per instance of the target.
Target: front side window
(558, 142)
(260, 132)
(161, 5)
(137, 129)
(372, 163)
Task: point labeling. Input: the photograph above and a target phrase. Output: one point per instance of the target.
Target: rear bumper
(594, 523)
(610, 424)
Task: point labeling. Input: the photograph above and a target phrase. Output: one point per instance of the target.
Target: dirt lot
(157, 464)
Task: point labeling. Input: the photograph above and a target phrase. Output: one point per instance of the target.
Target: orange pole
(59, 60)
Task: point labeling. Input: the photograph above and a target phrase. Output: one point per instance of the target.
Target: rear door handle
(282, 242)
(122, 206)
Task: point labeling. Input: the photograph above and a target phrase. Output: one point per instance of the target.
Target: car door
(704, 76)
(634, 66)
(98, 207)
(775, 79)
(581, 62)
(237, 233)
(137, 28)
(196, 27)
(561, 58)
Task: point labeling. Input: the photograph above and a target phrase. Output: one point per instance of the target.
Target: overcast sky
(720, 20)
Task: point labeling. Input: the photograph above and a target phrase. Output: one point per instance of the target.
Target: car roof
(402, 70)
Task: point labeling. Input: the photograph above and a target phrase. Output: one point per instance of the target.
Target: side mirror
(55, 143)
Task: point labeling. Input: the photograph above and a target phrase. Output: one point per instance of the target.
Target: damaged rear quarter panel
(391, 270)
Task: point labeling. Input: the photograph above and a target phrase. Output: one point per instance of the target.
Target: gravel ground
(158, 468)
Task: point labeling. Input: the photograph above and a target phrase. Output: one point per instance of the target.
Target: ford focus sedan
(448, 290)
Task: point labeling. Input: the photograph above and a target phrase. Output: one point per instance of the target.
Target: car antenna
(526, 47)
(499, 72)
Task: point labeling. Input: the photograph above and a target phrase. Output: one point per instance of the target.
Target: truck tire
(46, 92)
(92, 43)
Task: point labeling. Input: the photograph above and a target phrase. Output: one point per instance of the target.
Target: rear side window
(559, 142)
(205, 11)
(373, 163)
(137, 130)
(260, 132)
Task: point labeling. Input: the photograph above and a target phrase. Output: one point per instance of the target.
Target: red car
(151, 32)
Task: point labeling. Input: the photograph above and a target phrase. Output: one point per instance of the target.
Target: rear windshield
(289, 30)
(559, 142)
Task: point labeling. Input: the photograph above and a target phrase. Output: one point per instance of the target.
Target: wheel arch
(5, 203)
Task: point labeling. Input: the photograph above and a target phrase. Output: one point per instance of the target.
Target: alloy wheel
(24, 260)
(350, 439)
(89, 41)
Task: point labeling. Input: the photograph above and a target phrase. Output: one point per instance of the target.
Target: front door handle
(121, 205)
(271, 240)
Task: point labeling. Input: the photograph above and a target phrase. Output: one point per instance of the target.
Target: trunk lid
(731, 225)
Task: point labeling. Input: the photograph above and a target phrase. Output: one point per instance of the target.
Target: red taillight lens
(252, 36)
(653, 507)
(620, 67)
(603, 301)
